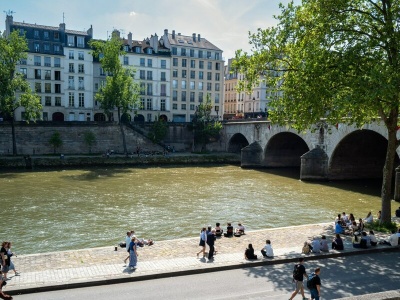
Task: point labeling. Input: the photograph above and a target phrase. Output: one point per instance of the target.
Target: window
(47, 74)
(57, 88)
(149, 104)
(21, 31)
(71, 68)
(47, 61)
(200, 54)
(184, 62)
(163, 78)
(200, 85)
(81, 55)
(183, 52)
(174, 95)
(175, 73)
(209, 86)
(81, 83)
(47, 87)
(200, 96)
(138, 49)
(81, 68)
(37, 60)
(23, 71)
(217, 86)
(102, 73)
(126, 48)
(192, 107)
(57, 75)
(192, 96)
(71, 83)
(56, 48)
(56, 36)
(209, 65)
(163, 91)
(142, 103)
(142, 62)
(126, 60)
(183, 84)
(150, 89)
(22, 61)
(216, 55)
(201, 74)
(149, 75)
(208, 54)
(46, 47)
(36, 34)
(163, 64)
(201, 64)
(47, 101)
(142, 88)
(217, 66)
(192, 63)
(183, 95)
(174, 51)
(175, 62)
(38, 87)
(57, 101)
(216, 98)
(71, 99)
(163, 108)
(71, 54)
(149, 62)
(183, 106)
(57, 62)
(96, 86)
(217, 75)
(81, 42)
(183, 73)
(175, 84)
(38, 74)
(71, 41)
(36, 47)
(174, 106)
(46, 35)
(192, 85)
(209, 76)
(191, 52)
(142, 74)
(192, 74)
(81, 99)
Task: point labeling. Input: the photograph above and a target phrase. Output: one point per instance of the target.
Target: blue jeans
(314, 294)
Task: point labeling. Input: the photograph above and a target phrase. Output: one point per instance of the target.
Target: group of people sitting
(239, 230)
(267, 251)
(347, 224)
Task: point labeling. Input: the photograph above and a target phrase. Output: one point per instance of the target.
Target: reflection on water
(70, 209)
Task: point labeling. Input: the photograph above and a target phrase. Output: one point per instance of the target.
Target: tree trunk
(14, 138)
(386, 192)
(121, 127)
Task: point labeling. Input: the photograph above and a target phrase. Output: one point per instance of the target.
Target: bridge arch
(284, 149)
(360, 154)
(237, 142)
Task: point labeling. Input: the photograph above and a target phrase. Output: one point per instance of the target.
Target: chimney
(130, 39)
(62, 27)
(173, 34)
(194, 37)
(9, 22)
(199, 38)
(166, 32)
(90, 31)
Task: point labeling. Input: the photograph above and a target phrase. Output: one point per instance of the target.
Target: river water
(53, 210)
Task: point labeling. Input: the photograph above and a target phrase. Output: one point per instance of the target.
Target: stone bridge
(326, 153)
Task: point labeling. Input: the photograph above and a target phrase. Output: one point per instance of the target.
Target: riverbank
(98, 266)
(71, 161)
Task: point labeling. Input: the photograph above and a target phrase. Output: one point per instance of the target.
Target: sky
(225, 23)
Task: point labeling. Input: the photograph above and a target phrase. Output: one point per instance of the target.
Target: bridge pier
(314, 165)
(252, 156)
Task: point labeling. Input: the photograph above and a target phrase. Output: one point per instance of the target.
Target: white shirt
(269, 251)
(394, 240)
(127, 242)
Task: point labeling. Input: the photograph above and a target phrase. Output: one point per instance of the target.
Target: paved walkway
(86, 267)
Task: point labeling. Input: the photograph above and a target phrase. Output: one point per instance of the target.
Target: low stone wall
(33, 162)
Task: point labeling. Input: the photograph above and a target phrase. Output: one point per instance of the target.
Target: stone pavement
(97, 266)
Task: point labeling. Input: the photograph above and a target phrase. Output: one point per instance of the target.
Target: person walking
(299, 272)
(10, 254)
(210, 242)
(315, 284)
(133, 254)
(203, 240)
(127, 243)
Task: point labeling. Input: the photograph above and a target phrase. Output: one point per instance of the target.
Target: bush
(387, 227)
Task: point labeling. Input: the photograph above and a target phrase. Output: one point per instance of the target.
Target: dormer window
(149, 51)
(71, 41)
(137, 49)
(126, 48)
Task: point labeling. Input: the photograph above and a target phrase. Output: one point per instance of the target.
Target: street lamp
(216, 108)
(254, 99)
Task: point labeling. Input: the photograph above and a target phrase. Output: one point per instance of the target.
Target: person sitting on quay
(339, 229)
(316, 245)
(239, 230)
(364, 240)
(369, 218)
(267, 251)
(392, 241)
(218, 230)
(356, 240)
(229, 230)
(337, 243)
(361, 225)
(324, 244)
(338, 219)
(378, 215)
(351, 219)
(306, 248)
(249, 253)
(345, 219)
(353, 227)
(372, 238)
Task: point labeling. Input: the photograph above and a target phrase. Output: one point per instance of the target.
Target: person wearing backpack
(299, 272)
(314, 284)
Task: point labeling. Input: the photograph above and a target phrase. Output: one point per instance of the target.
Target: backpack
(296, 272)
(310, 281)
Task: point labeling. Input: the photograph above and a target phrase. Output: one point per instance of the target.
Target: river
(52, 210)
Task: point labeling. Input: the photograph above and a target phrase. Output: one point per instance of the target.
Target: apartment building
(196, 70)
(59, 69)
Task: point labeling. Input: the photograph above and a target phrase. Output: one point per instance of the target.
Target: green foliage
(90, 139)
(56, 141)
(205, 128)
(386, 227)
(335, 60)
(15, 91)
(158, 131)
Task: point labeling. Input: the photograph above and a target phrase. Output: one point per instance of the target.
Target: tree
(158, 130)
(204, 126)
(56, 141)
(15, 91)
(334, 60)
(120, 91)
(90, 139)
